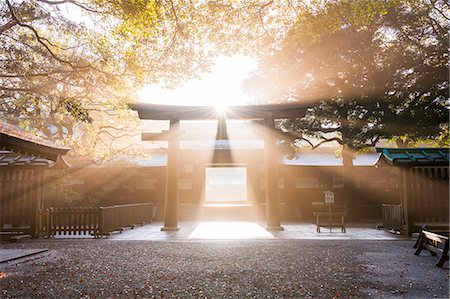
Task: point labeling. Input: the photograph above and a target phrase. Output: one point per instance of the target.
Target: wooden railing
(93, 221)
(392, 216)
(70, 221)
(116, 218)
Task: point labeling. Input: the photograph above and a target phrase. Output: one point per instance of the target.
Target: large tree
(68, 62)
(60, 72)
(370, 70)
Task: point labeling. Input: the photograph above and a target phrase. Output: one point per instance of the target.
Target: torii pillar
(271, 192)
(171, 197)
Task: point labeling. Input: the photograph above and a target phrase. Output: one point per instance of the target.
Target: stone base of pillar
(170, 228)
(274, 228)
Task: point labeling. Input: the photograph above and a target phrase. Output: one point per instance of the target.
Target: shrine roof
(366, 159)
(415, 156)
(168, 112)
(8, 158)
(18, 141)
(329, 159)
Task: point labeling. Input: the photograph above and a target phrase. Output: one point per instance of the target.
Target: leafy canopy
(61, 72)
(370, 70)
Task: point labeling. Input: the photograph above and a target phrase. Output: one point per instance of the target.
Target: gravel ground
(223, 269)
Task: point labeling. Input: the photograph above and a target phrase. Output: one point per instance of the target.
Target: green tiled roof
(415, 156)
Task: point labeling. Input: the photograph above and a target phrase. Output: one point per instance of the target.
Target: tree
(60, 73)
(370, 70)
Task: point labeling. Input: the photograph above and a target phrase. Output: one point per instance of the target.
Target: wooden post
(271, 192)
(171, 198)
(37, 202)
(406, 215)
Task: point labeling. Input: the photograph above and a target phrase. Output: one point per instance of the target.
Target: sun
(221, 109)
(221, 87)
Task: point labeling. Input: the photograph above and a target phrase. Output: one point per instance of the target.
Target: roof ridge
(14, 131)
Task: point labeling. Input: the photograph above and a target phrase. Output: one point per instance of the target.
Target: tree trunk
(347, 157)
(402, 143)
(347, 161)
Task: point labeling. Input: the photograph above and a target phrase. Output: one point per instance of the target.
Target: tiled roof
(18, 141)
(329, 159)
(155, 160)
(160, 159)
(13, 131)
(415, 156)
(8, 158)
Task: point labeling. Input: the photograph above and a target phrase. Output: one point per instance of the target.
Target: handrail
(100, 221)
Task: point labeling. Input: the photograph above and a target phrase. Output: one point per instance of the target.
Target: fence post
(102, 221)
(50, 223)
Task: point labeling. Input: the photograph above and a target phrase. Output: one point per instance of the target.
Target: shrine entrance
(226, 185)
(224, 180)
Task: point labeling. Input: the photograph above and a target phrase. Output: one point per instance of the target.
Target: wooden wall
(20, 198)
(363, 191)
(427, 196)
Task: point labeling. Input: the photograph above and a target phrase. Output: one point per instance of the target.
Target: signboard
(329, 196)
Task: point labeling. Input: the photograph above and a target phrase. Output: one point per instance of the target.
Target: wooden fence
(70, 221)
(116, 218)
(392, 216)
(100, 221)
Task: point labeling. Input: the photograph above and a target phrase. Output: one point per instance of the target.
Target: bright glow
(220, 230)
(221, 87)
(220, 108)
(225, 184)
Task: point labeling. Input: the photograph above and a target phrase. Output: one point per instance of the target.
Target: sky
(220, 87)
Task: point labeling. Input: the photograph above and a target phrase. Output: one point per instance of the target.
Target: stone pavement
(228, 230)
(7, 255)
(231, 230)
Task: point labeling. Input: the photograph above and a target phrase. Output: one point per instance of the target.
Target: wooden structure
(300, 181)
(23, 159)
(95, 221)
(436, 244)
(424, 187)
(332, 215)
(330, 220)
(265, 114)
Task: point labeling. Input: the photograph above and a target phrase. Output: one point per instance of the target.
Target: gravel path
(223, 269)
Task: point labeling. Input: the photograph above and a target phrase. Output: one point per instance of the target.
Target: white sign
(329, 196)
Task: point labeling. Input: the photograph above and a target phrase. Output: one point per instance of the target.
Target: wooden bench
(332, 219)
(435, 243)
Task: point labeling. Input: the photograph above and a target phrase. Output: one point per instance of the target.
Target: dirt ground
(223, 269)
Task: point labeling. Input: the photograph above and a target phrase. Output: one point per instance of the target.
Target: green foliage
(67, 78)
(369, 70)
(58, 191)
(375, 69)
(58, 74)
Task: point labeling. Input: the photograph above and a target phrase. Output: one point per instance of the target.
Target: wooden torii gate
(267, 113)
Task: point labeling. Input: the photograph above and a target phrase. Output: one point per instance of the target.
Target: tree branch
(59, 2)
(326, 140)
(7, 26)
(39, 38)
(42, 40)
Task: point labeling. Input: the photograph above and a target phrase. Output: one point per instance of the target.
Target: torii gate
(267, 113)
